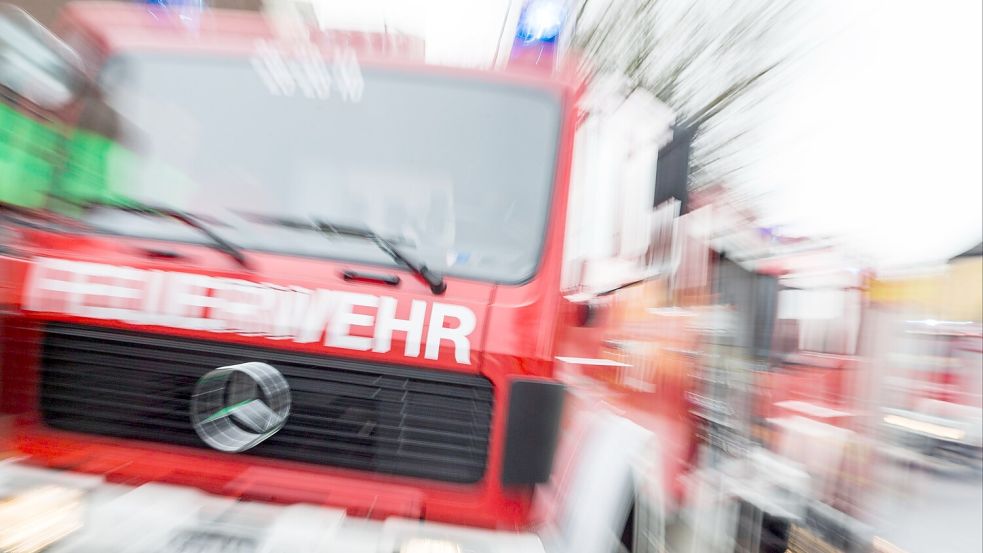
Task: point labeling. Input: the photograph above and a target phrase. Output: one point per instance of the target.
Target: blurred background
(775, 206)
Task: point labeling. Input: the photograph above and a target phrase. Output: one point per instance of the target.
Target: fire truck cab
(265, 291)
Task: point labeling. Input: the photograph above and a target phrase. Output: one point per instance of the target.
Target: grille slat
(382, 418)
(137, 420)
(74, 360)
(435, 416)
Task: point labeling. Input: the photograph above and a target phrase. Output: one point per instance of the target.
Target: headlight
(37, 518)
(412, 536)
(428, 545)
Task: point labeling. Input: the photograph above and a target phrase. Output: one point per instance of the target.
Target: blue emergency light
(541, 20)
(536, 34)
(196, 5)
(186, 12)
(175, 3)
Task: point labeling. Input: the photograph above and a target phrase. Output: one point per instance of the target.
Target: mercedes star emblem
(235, 408)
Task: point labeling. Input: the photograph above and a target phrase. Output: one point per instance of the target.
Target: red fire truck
(266, 293)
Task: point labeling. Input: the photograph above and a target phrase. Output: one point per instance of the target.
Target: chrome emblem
(235, 408)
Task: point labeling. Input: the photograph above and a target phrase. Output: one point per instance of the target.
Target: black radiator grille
(380, 418)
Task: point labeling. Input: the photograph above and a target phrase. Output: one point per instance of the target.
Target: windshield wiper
(135, 206)
(433, 279)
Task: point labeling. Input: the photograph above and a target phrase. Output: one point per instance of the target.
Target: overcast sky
(875, 135)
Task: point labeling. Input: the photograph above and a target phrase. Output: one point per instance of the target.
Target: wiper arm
(134, 206)
(434, 280)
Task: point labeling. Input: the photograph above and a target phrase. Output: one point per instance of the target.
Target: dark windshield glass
(458, 170)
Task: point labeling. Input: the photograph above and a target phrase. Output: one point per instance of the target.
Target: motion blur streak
(34, 519)
(509, 276)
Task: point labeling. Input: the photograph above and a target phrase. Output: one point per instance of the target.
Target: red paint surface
(520, 329)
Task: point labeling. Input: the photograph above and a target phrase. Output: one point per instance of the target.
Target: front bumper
(82, 514)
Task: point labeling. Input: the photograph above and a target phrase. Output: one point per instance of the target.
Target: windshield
(459, 171)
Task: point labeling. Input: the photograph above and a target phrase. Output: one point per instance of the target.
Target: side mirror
(34, 64)
(584, 306)
(586, 313)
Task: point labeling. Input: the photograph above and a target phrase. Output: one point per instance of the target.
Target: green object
(85, 174)
(28, 157)
(32, 153)
(36, 161)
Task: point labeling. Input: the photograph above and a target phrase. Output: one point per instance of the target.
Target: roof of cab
(107, 16)
(122, 25)
(129, 26)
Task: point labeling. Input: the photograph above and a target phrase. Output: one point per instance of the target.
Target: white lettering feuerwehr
(345, 320)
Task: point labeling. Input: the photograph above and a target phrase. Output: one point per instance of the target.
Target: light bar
(194, 4)
(541, 20)
(537, 33)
